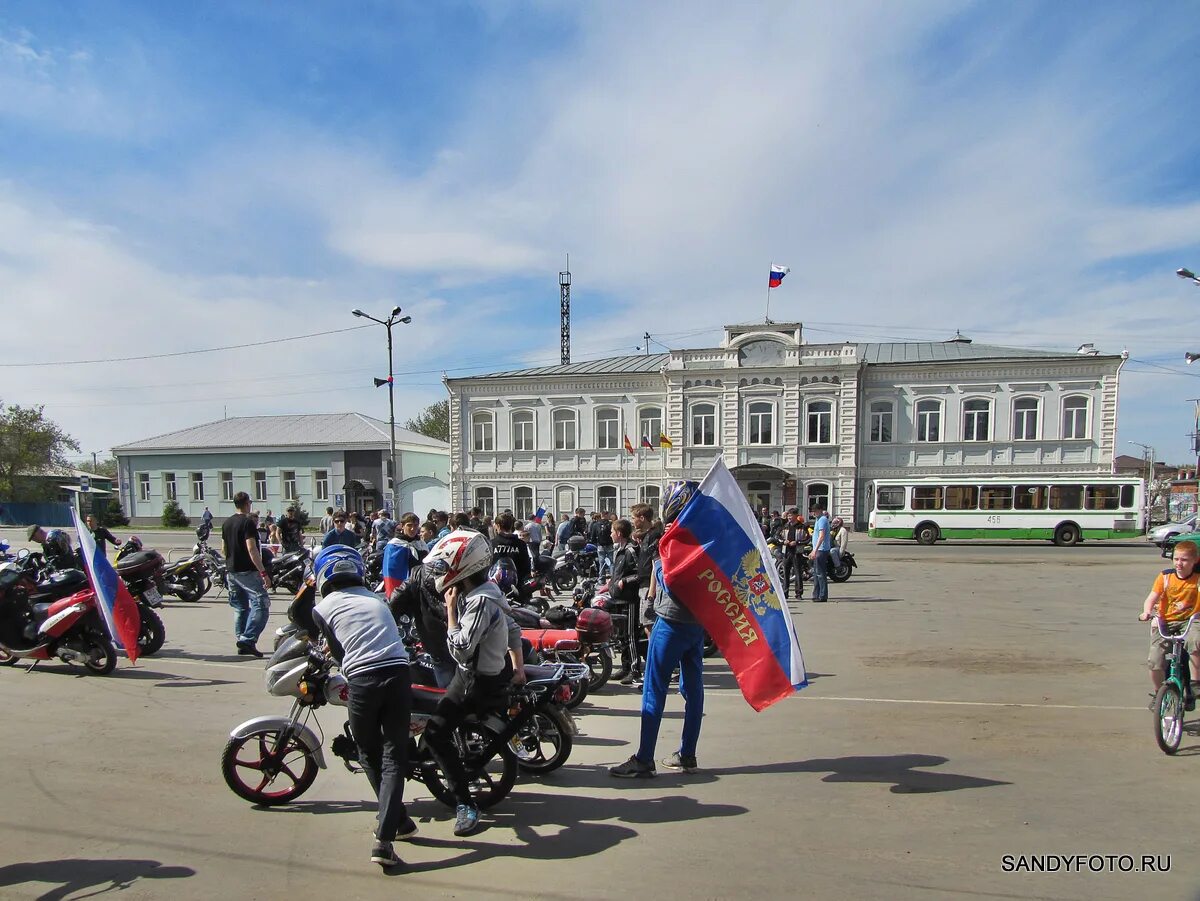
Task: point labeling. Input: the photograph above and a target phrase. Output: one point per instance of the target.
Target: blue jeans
(821, 576)
(673, 644)
(603, 560)
(835, 555)
(251, 603)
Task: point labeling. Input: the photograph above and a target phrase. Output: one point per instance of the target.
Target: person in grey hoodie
(485, 643)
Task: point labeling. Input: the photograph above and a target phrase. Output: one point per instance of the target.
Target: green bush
(113, 515)
(173, 515)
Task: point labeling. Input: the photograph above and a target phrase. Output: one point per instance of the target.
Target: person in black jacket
(600, 534)
(791, 535)
(623, 587)
(506, 544)
(420, 600)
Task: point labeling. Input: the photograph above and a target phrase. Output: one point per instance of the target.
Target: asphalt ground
(967, 702)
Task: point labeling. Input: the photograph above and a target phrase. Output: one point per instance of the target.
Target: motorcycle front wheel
(261, 771)
(152, 633)
(544, 743)
(101, 656)
(489, 781)
(840, 573)
(564, 581)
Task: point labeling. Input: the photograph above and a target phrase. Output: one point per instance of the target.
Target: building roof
(951, 352)
(627, 363)
(296, 431)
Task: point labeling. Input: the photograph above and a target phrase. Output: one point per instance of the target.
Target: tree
(173, 515)
(433, 421)
(112, 514)
(105, 468)
(30, 443)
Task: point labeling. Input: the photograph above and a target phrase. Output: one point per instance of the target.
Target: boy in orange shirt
(1175, 597)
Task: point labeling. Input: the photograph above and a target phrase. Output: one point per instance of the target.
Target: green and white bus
(1062, 510)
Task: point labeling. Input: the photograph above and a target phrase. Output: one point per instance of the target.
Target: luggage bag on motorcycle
(140, 563)
(594, 625)
(576, 543)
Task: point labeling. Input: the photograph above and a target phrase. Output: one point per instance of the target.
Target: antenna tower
(564, 286)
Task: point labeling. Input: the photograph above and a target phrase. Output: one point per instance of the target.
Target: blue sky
(176, 176)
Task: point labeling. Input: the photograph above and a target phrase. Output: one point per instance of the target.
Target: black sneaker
(678, 761)
(407, 830)
(248, 650)
(384, 855)
(634, 769)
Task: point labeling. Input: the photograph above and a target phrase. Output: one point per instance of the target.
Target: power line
(186, 353)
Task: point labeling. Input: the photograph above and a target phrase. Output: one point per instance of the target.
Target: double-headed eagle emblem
(752, 585)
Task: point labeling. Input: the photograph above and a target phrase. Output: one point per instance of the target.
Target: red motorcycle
(51, 621)
(565, 635)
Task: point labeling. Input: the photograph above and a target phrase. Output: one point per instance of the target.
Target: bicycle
(1168, 705)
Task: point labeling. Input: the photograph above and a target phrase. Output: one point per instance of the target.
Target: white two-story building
(795, 422)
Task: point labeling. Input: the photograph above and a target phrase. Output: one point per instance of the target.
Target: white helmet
(460, 554)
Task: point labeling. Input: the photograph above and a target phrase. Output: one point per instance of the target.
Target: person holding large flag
(676, 640)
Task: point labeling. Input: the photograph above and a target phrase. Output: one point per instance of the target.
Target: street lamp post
(392, 319)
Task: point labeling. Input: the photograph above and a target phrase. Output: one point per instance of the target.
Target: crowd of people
(825, 539)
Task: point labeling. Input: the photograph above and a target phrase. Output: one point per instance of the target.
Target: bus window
(927, 497)
(996, 497)
(1127, 495)
(1030, 497)
(1101, 497)
(962, 497)
(1066, 497)
(890, 497)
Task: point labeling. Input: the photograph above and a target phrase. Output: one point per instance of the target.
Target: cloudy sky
(179, 176)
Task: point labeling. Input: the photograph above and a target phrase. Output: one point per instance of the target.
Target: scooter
(68, 629)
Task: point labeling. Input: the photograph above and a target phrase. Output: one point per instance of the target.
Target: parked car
(1159, 534)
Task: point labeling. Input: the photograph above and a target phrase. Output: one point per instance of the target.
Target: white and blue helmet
(337, 565)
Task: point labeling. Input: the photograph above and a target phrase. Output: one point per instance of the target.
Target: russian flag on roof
(777, 274)
(716, 563)
(117, 605)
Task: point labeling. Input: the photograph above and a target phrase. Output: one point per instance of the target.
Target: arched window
(929, 420)
(650, 422)
(1025, 419)
(523, 431)
(523, 502)
(1075, 416)
(606, 498)
(704, 425)
(760, 422)
(483, 431)
(565, 425)
(608, 428)
(485, 500)
(977, 419)
(650, 494)
(820, 422)
(818, 495)
(883, 414)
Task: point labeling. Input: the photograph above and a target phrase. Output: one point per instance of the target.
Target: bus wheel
(1066, 534)
(926, 533)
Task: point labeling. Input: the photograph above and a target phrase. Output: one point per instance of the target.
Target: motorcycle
(35, 625)
(287, 570)
(273, 760)
(213, 562)
(842, 573)
(575, 638)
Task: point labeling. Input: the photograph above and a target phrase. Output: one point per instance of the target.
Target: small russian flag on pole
(777, 274)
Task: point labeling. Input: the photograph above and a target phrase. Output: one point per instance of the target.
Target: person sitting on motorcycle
(841, 539)
(506, 544)
(291, 533)
(402, 552)
(363, 638)
(56, 547)
(486, 643)
(676, 640)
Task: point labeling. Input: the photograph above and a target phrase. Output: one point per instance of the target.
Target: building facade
(797, 423)
(320, 460)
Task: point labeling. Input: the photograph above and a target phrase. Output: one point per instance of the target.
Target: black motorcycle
(288, 570)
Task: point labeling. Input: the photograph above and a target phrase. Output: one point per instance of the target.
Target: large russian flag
(117, 605)
(716, 563)
(777, 274)
(398, 560)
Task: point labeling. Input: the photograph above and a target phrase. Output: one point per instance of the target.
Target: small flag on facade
(646, 443)
(777, 274)
(663, 440)
(628, 445)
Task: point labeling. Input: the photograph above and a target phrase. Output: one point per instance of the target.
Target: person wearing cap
(56, 547)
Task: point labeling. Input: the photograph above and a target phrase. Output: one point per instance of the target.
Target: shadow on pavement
(74, 875)
(906, 772)
(321, 807)
(584, 831)
(176, 654)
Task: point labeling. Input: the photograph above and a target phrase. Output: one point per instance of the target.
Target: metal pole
(392, 411)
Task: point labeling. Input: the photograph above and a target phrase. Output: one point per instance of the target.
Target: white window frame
(287, 484)
(612, 417)
(518, 502)
(254, 477)
(520, 419)
(485, 502)
(320, 484)
(655, 433)
(974, 414)
(645, 492)
(1018, 426)
(616, 498)
(751, 416)
(878, 412)
(569, 418)
(483, 431)
(1087, 417)
(170, 487)
(808, 496)
(810, 413)
(227, 491)
(919, 425)
(143, 486)
(197, 480)
(692, 414)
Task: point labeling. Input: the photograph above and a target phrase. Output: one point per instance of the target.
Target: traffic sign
(85, 483)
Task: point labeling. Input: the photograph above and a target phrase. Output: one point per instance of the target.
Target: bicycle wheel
(1168, 717)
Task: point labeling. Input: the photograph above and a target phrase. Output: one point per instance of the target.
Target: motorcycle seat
(60, 585)
(40, 611)
(425, 698)
(535, 672)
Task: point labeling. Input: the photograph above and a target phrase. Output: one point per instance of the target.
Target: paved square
(967, 703)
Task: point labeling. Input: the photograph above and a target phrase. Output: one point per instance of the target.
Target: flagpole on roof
(767, 318)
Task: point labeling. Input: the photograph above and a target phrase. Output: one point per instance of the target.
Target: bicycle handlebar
(1159, 623)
